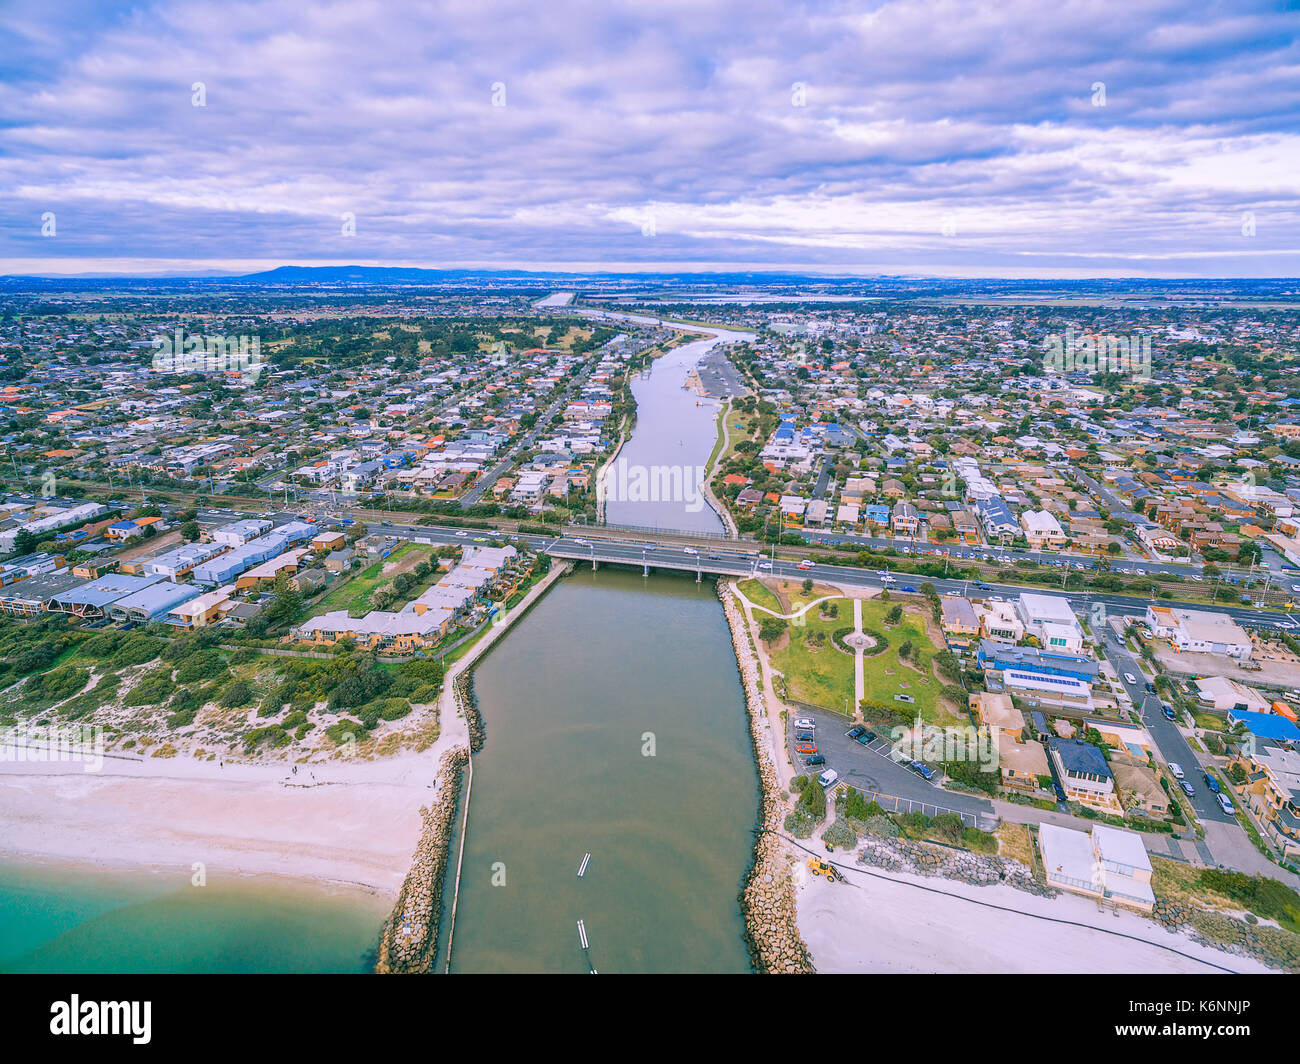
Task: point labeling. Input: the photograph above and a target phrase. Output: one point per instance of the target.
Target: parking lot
(869, 768)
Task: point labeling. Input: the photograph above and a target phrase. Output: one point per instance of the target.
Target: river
(669, 449)
(616, 727)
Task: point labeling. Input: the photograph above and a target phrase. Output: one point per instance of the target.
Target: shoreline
(767, 900)
(354, 824)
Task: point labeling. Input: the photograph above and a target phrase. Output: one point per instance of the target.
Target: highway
(734, 558)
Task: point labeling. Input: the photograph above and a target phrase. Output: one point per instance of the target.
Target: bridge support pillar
(645, 570)
(595, 565)
(699, 573)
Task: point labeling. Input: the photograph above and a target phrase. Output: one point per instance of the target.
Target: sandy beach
(886, 923)
(342, 822)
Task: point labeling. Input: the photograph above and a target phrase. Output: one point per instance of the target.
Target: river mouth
(616, 727)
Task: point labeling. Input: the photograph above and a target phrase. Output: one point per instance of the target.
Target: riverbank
(768, 898)
(409, 941)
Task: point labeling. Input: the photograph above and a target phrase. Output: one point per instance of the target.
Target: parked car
(1151, 688)
(1169, 712)
(1188, 789)
(1225, 803)
(1176, 769)
(922, 770)
(856, 730)
(828, 778)
(816, 759)
(805, 737)
(1211, 782)
(804, 722)
(806, 748)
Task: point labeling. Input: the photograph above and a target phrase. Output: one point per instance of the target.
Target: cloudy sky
(1012, 137)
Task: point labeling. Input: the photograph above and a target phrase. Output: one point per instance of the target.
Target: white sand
(357, 822)
(890, 926)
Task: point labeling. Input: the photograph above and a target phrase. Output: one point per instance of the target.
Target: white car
(1130, 678)
(690, 550)
(461, 534)
(1225, 803)
(804, 722)
(1295, 587)
(765, 565)
(1176, 769)
(887, 580)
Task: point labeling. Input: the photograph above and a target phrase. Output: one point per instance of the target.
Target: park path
(859, 681)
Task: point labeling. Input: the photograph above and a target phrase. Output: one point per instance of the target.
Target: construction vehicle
(818, 867)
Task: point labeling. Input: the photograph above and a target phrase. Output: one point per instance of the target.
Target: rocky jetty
(931, 859)
(409, 941)
(463, 688)
(767, 901)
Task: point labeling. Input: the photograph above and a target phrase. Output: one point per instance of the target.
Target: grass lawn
(823, 676)
(819, 675)
(879, 685)
(759, 595)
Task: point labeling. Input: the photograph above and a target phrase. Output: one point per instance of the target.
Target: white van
(828, 778)
(1176, 769)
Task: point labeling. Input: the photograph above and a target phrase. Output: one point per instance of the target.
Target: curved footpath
(768, 899)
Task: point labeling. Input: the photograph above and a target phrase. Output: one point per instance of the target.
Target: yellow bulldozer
(818, 867)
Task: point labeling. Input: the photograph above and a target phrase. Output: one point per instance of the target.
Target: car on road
(806, 748)
(461, 534)
(1225, 803)
(1169, 712)
(1211, 782)
(581, 542)
(1130, 678)
(909, 587)
(1188, 789)
(1176, 769)
(765, 565)
(887, 580)
(805, 722)
(816, 759)
(981, 585)
(807, 563)
(1151, 688)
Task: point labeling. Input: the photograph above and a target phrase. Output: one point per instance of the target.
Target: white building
(1050, 618)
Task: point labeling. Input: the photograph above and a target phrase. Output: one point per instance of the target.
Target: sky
(1008, 138)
